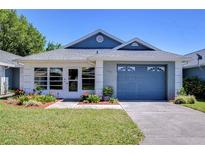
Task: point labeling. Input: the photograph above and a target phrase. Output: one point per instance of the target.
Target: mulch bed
(100, 103)
(40, 106)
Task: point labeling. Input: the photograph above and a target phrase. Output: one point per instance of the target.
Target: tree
(53, 46)
(18, 36)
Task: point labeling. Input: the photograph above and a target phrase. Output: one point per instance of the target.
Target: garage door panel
(143, 82)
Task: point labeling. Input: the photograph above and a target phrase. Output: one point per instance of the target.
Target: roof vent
(99, 38)
(135, 44)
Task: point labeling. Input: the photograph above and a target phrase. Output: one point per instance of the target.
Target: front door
(72, 84)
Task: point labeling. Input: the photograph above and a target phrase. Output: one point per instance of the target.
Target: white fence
(4, 85)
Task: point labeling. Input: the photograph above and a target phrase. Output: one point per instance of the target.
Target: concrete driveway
(166, 123)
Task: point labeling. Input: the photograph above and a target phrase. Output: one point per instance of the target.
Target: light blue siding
(110, 75)
(139, 47)
(91, 43)
(194, 72)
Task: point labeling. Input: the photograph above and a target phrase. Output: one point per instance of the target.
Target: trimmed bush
(194, 86)
(44, 98)
(107, 91)
(93, 98)
(32, 103)
(113, 100)
(190, 99)
(23, 99)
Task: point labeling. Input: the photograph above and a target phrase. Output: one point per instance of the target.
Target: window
(121, 68)
(88, 78)
(130, 68)
(56, 78)
(156, 68)
(40, 78)
(73, 79)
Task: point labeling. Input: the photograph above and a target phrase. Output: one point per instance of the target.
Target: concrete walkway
(166, 123)
(75, 105)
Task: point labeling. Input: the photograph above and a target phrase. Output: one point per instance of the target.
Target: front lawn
(20, 125)
(199, 105)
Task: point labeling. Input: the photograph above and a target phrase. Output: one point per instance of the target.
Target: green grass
(199, 105)
(20, 125)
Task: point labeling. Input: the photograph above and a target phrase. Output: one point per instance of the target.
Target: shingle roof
(105, 54)
(193, 62)
(7, 59)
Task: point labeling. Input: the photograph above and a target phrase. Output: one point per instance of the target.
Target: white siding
(27, 78)
(99, 77)
(2, 71)
(178, 76)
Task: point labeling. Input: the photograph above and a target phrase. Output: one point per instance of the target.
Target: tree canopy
(53, 46)
(18, 36)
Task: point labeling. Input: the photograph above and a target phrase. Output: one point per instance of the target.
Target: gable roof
(138, 41)
(7, 59)
(193, 59)
(92, 34)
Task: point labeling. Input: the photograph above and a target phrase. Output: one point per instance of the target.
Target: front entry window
(56, 78)
(88, 78)
(73, 79)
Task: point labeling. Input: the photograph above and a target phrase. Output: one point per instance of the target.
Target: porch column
(99, 77)
(178, 76)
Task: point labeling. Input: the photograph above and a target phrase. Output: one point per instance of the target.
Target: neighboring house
(195, 67)
(135, 69)
(9, 68)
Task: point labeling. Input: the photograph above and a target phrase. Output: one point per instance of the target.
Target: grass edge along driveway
(20, 125)
(199, 105)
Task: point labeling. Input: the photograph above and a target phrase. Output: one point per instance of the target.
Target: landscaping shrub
(107, 91)
(32, 103)
(22, 99)
(19, 92)
(93, 98)
(194, 86)
(113, 100)
(182, 92)
(44, 98)
(84, 96)
(190, 99)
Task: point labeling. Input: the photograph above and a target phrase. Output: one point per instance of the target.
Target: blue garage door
(141, 82)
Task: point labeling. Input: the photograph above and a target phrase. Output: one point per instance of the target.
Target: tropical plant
(23, 99)
(107, 91)
(93, 98)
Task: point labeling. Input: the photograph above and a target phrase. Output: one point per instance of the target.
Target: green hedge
(194, 86)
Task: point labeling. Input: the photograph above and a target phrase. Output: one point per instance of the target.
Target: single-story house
(136, 70)
(195, 67)
(9, 68)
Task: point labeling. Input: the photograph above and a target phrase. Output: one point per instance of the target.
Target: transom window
(156, 68)
(56, 78)
(88, 78)
(40, 78)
